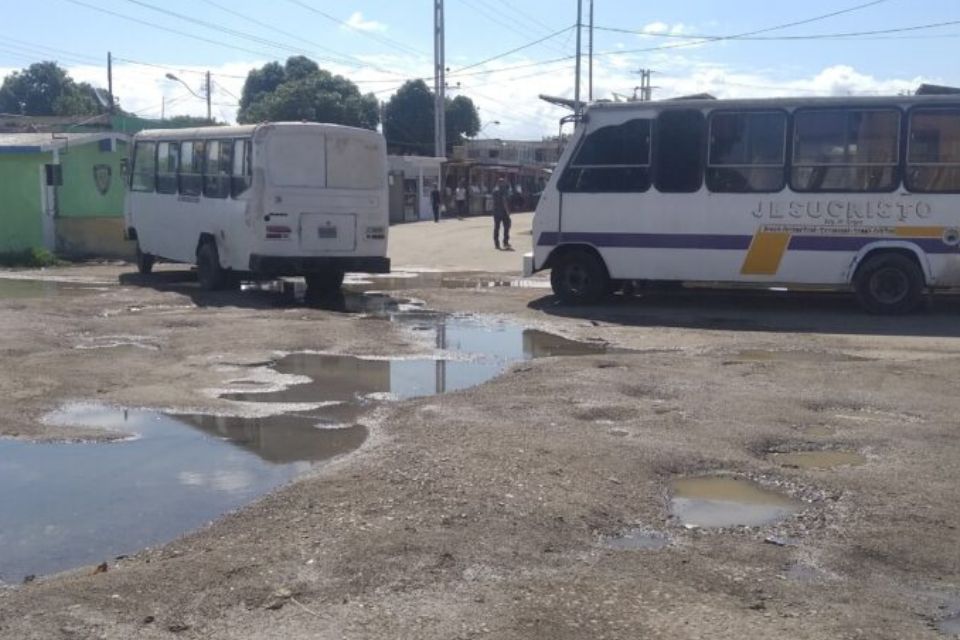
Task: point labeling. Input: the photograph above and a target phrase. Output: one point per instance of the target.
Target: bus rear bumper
(301, 266)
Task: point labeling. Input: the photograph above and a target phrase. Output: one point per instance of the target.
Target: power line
(170, 29)
(815, 36)
(347, 59)
(381, 39)
(232, 32)
(495, 18)
(22, 44)
(513, 8)
(515, 50)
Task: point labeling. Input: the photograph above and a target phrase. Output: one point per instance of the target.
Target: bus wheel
(889, 283)
(324, 283)
(209, 271)
(144, 261)
(579, 277)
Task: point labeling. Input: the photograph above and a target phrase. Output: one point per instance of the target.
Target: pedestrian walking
(435, 203)
(501, 214)
(460, 196)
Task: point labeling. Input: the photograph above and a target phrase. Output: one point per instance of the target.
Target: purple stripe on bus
(855, 243)
(648, 240)
(730, 242)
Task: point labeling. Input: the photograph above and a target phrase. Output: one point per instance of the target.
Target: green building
(63, 192)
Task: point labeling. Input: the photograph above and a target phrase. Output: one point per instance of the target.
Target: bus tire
(580, 277)
(889, 283)
(324, 283)
(145, 261)
(209, 272)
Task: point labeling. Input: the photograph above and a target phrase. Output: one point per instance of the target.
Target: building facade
(63, 192)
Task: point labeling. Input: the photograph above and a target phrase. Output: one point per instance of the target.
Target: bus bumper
(528, 269)
(301, 266)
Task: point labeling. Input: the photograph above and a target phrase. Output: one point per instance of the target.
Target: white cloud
(511, 96)
(356, 21)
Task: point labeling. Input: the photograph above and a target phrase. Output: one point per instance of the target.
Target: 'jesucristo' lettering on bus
(840, 211)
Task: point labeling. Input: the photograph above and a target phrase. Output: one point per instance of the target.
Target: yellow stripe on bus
(919, 232)
(765, 253)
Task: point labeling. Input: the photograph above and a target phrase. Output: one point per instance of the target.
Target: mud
(485, 512)
(819, 459)
(728, 502)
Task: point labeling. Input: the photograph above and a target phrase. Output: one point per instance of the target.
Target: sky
(381, 43)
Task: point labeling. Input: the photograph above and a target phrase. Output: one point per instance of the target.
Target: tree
(408, 119)
(301, 90)
(45, 89)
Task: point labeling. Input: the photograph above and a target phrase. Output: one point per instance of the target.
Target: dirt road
(509, 510)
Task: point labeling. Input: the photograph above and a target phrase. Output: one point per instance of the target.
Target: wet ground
(166, 474)
(709, 466)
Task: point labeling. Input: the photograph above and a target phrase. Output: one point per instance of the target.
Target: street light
(170, 76)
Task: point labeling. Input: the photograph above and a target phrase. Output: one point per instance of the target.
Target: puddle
(400, 281)
(66, 505)
(69, 504)
(727, 502)
(471, 352)
(11, 289)
(636, 540)
(819, 459)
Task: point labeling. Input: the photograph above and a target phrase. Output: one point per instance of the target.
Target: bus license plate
(327, 232)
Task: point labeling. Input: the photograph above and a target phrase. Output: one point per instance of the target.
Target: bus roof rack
(936, 90)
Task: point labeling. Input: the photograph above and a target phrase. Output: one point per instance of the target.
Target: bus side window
(242, 175)
(143, 178)
(679, 164)
(612, 159)
(216, 176)
(167, 161)
(191, 167)
(747, 152)
(836, 150)
(933, 159)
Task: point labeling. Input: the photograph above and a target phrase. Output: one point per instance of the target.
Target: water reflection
(68, 504)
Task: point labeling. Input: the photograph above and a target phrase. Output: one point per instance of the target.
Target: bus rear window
(354, 163)
(611, 159)
(296, 159)
(747, 152)
(933, 160)
(846, 150)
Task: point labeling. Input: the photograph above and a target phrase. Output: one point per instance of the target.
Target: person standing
(435, 203)
(501, 214)
(460, 195)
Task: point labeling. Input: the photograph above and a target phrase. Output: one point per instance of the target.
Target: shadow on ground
(834, 313)
(268, 295)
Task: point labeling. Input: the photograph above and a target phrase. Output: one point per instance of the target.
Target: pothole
(714, 502)
(949, 626)
(819, 459)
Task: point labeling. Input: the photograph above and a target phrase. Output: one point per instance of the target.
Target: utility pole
(439, 83)
(576, 80)
(646, 88)
(209, 93)
(590, 72)
(110, 81)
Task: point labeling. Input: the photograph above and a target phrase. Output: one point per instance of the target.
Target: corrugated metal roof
(41, 142)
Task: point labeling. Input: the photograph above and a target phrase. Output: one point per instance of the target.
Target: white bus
(860, 193)
(261, 201)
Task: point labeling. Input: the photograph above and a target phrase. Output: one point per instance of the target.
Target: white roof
(42, 142)
(238, 131)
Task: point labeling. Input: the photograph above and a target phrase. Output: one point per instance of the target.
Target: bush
(29, 258)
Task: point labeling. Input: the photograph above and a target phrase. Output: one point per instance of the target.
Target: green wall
(20, 214)
(79, 196)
